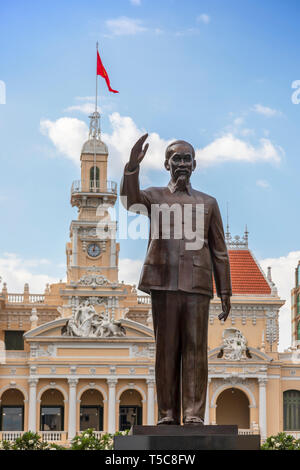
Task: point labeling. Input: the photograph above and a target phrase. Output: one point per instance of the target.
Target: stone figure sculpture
(178, 276)
(86, 322)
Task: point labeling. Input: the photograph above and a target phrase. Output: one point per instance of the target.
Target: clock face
(94, 250)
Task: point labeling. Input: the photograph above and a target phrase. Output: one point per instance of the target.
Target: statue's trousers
(180, 321)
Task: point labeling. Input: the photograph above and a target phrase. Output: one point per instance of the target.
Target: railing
(246, 432)
(98, 434)
(78, 185)
(144, 299)
(295, 434)
(10, 436)
(20, 298)
(36, 298)
(15, 298)
(53, 436)
(47, 436)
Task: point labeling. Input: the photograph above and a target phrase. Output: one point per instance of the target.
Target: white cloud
(85, 98)
(263, 184)
(283, 274)
(85, 108)
(203, 18)
(238, 121)
(124, 26)
(266, 111)
(16, 271)
(188, 32)
(124, 134)
(130, 270)
(135, 2)
(67, 134)
(230, 148)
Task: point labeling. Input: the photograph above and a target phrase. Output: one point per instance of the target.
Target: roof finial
(269, 275)
(245, 237)
(227, 234)
(94, 132)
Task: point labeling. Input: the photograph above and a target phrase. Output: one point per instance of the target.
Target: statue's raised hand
(137, 153)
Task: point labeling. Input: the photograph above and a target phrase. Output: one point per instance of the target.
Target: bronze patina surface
(179, 280)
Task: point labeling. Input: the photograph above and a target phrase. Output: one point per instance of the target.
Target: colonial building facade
(81, 354)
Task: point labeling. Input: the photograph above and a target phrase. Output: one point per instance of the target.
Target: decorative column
(32, 404)
(262, 408)
(206, 415)
(150, 402)
(33, 318)
(113, 247)
(72, 408)
(74, 247)
(112, 382)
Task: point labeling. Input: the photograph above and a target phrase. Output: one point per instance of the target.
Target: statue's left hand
(226, 306)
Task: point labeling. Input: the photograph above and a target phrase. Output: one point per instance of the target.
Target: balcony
(88, 187)
(58, 437)
(10, 436)
(54, 436)
(144, 299)
(21, 299)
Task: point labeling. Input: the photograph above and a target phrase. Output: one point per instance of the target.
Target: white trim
(294, 377)
(242, 387)
(16, 386)
(55, 387)
(34, 332)
(95, 387)
(130, 387)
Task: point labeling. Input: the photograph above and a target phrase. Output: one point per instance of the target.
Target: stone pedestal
(187, 437)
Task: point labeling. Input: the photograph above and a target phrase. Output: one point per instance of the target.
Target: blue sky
(218, 74)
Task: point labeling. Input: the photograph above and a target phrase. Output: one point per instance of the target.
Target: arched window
(94, 178)
(91, 410)
(298, 304)
(233, 407)
(131, 411)
(52, 411)
(298, 275)
(291, 410)
(12, 410)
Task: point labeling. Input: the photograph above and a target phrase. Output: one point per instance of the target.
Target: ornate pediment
(256, 356)
(53, 330)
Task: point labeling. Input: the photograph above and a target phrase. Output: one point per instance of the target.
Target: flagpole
(95, 171)
(96, 78)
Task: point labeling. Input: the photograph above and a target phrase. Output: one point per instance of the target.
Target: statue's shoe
(167, 420)
(193, 420)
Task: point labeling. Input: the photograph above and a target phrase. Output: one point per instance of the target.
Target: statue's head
(180, 160)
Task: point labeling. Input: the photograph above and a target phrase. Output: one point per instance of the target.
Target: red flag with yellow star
(101, 71)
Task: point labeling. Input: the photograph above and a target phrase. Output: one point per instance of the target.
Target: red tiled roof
(246, 276)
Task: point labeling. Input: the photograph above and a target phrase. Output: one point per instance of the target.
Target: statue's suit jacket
(168, 264)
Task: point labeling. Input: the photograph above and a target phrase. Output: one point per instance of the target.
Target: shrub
(5, 445)
(281, 441)
(88, 440)
(29, 441)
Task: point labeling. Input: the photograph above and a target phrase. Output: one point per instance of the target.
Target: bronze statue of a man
(178, 276)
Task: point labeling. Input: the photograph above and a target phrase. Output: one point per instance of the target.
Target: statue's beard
(182, 182)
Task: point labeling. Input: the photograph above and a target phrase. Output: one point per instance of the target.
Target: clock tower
(92, 243)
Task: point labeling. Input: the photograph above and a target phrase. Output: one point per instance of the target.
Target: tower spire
(246, 233)
(227, 234)
(94, 132)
